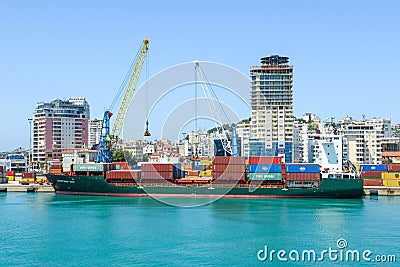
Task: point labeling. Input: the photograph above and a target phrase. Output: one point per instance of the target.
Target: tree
(119, 156)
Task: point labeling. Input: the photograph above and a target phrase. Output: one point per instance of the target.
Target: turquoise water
(53, 230)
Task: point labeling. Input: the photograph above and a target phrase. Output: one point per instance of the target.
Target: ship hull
(97, 186)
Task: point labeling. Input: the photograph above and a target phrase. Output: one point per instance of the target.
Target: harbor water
(44, 229)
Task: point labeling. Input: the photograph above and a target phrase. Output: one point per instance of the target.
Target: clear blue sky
(345, 53)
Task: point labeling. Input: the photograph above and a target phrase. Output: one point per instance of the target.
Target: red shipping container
(229, 168)
(123, 174)
(265, 160)
(10, 173)
(373, 182)
(157, 167)
(218, 160)
(157, 175)
(393, 167)
(371, 174)
(1, 168)
(28, 175)
(294, 176)
(233, 176)
(193, 173)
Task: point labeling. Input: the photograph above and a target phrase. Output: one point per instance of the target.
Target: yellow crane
(107, 137)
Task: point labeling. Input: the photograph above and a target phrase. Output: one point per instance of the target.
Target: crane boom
(130, 90)
(208, 91)
(107, 138)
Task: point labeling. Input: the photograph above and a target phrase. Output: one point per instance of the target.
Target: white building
(243, 133)
(94, 132)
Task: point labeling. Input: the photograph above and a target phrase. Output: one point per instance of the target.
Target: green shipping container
(265, 176)
(90, 167)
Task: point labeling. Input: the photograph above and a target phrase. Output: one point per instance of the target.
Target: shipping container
(10, 173)
(302, 184)
(218, 160)
(205, 173)
(391, 183)
(302, 168)
(265, 160)
(297, 176)
(157, 167)
(28, 175)
(368, 182)
(265, 168)
(371, 174)
(89, 167)
(157, 175)
(229, 168)
(264, 176)
(199, 167)
(1, 168)
(393, 167)
(10, 178)
(390, 175)
(373, 167)
(123, 174)
(228, 176)
(55, 171)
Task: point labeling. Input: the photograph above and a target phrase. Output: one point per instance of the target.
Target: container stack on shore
(3, 177)
(371, 174)
(266, 169)
(228, 169)
(10, 175)
(391, 178)
(372, 171)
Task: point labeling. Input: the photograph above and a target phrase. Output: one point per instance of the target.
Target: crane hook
(147, 132)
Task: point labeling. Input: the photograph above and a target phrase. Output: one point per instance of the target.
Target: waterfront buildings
(271, 97)
(59, 125)
(364, 139)
(94, 132)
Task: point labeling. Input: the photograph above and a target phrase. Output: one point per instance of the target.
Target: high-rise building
(272, 108)
(94, 132)
(59, 125)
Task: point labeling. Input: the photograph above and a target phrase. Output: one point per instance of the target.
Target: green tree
(119, 156)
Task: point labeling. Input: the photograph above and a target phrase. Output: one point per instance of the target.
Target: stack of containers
(3, 177)
(228, 169)
(372, 171)
(302, 172)
(56, 168)
(29, 177)
(10, 175)
(391, 178)
(265, 169)
(125, 176)
(160, 171)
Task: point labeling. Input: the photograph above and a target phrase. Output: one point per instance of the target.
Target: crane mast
(109, 138)
(209, 92)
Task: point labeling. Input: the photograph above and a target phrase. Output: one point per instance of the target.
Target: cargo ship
(228, 177)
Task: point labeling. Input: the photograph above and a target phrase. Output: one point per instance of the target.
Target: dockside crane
(109, 138)
(230, 147)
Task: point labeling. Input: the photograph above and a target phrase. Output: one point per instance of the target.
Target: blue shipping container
(373, 167)
(199, 167)
(303, 168)
(265, 168)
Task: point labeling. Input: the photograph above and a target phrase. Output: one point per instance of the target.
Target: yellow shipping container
(392, 183)
(390, 175)
(205, 162)
(206, 173)
(11, 178)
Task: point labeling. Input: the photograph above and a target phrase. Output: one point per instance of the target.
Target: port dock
(382, 191)
(14, 186)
